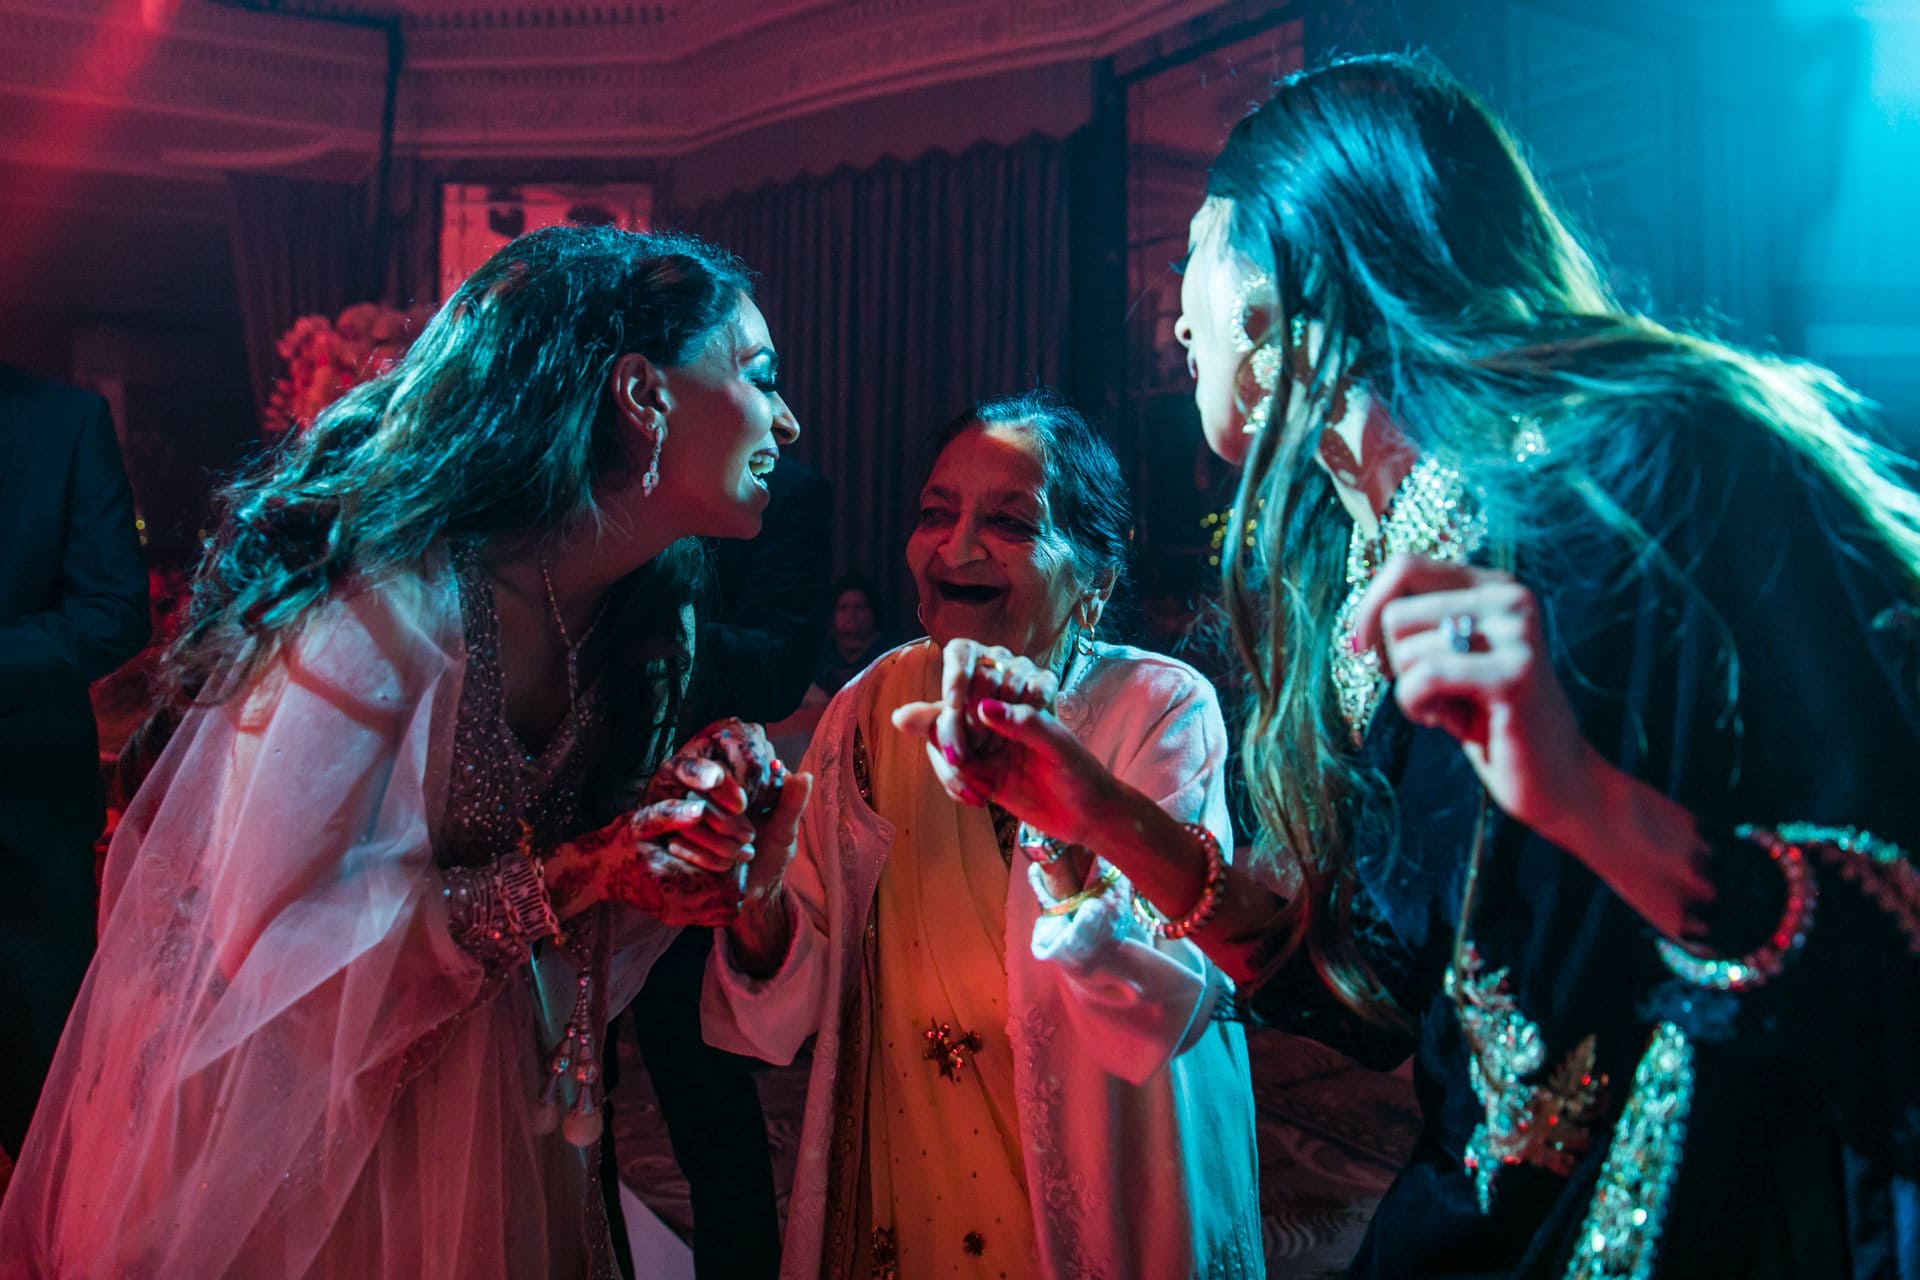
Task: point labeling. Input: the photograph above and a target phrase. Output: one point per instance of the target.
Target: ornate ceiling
(299, 85)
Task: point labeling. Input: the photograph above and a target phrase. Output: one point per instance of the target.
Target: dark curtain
(299, 247)
(897, 295)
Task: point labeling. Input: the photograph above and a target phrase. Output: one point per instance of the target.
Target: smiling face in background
(986, 558)
(726, 425)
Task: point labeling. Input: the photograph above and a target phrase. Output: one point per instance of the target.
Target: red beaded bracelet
(1210, 893)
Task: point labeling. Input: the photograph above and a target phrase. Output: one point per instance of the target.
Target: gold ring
(990, 663)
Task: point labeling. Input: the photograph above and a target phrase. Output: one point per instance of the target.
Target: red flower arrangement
(325, 358)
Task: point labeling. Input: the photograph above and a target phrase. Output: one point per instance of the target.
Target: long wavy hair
(1388, 204)
(497, 423)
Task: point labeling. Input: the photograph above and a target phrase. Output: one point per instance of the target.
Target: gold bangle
(1068, 905)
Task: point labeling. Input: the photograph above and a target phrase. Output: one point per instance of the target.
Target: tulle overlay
(282, 1064)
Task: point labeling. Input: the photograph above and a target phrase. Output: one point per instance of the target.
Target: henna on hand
(662, 885)
(741, 749)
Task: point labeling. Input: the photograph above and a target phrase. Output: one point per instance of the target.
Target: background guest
(73, 606)
(856, 636)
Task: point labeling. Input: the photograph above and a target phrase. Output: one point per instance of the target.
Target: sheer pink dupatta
(281, 1064)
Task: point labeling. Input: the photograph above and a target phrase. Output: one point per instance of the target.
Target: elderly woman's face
(985, 555)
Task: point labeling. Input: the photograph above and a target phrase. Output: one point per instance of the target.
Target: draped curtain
(299, 247)
(897, 295)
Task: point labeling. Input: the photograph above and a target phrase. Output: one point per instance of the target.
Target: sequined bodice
(495, 784)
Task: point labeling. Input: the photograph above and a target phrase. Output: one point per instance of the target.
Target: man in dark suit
(73, 606)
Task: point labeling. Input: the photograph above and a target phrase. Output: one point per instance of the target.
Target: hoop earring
(920, 615)
(1083, 634)
(651, 481)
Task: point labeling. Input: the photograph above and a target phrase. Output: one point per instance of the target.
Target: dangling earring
(1264, 359)
(1083, 634)
(651, 481)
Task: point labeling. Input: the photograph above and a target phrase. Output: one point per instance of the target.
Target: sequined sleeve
(497, 913)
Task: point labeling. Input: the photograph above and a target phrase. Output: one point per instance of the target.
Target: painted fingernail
(993, 708)
(952, 754)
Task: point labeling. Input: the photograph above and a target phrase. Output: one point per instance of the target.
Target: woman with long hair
(357, 942)
(1582, 717)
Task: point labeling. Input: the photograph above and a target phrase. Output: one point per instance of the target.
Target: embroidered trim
(862, 768)
(1548, 1124)
(1765, 962)
(1429, 515)
(1620, 1236)
(1055, 1193)
(886, 1255)
(1879, 869)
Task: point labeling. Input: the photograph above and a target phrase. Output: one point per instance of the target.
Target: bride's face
(1208, 292)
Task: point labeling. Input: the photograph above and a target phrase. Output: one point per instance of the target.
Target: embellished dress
(305, 1048)
(1597, 1102)
(996, 1091)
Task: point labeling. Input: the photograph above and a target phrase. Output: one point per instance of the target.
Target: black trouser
(712, 1111)
(46, 943)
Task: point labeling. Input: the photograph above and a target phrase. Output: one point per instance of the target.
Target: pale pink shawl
(281, 1065)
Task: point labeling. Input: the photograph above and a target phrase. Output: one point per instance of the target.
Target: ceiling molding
(288, 90)
(93, 86)
(661, 80)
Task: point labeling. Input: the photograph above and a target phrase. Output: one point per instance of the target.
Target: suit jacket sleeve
(100, 618)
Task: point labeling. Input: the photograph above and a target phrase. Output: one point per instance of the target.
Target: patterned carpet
(1331, 1135)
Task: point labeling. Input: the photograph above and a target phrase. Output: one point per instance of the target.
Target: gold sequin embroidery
(1548, 1123)
(1620, 1237)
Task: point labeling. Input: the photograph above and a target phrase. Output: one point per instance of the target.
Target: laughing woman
(353, 963)
(1014, 1075)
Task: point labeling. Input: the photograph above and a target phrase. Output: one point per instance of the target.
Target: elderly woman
(1016, 1075)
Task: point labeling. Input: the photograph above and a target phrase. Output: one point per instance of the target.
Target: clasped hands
(992, 736)
(691, 856)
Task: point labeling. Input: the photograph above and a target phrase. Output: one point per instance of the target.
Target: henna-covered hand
(678, 859)
(685, 854)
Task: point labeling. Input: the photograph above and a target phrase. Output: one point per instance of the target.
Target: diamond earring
(1264, 358)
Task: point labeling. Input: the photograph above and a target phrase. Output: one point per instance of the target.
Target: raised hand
(993, 736)
(1465, 649)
